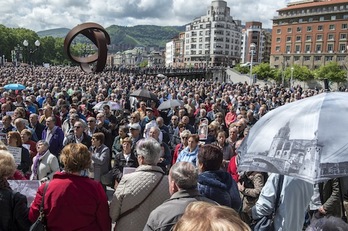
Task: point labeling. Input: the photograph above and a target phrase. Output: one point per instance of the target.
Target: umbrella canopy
(14, 86)
(171, 103)
(145, 94)
(113, 105)
(306, 139)
(161, 76)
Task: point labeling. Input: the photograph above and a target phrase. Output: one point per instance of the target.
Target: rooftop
(313, 3)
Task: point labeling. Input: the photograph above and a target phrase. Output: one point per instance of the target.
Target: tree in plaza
(264, 71)
(301, 73)
(242, 69)
(332, 72)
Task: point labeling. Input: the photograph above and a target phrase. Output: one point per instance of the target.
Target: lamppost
(292, 73)
(252, 50)
(31, 51)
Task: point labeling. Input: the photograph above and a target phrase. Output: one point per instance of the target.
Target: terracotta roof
(313, 4)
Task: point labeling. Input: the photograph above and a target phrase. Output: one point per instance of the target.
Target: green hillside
(127, 37)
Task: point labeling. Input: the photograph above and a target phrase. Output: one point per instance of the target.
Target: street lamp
(292, 73)
(31, 51)
(252, 50)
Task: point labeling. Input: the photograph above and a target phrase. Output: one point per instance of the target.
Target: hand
(116, 184)
(322, 210)
(241, 187)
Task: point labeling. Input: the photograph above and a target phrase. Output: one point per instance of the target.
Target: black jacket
(14, 211)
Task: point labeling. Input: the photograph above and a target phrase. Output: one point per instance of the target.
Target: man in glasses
(79, 136)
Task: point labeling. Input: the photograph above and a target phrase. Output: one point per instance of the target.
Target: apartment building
(310, 33)
(253, 33)
(213, 39)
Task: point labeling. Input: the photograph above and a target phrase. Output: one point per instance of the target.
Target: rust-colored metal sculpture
(98, 35)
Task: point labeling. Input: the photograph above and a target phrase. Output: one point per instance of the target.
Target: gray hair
(44, 142)
(184, 174)
(150, 149)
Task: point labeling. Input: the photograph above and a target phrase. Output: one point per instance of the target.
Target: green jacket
(330, 197)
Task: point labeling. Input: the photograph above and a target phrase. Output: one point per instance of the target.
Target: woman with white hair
(14, 210)
(140, 192)
(45, 164)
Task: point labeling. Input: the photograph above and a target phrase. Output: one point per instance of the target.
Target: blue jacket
(56, 142)
(186, 155)
(220, 187)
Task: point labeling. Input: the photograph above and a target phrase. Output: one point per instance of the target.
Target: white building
(170, 49)
(213, 39)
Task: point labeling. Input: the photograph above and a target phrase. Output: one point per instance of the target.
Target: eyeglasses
(90, 121)
(184, 138)
(77, 127)
(133, 117)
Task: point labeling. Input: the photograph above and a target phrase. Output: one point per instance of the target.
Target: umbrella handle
(344, 217)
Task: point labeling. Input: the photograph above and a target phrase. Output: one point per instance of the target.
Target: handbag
(266, 223)
(40, 223)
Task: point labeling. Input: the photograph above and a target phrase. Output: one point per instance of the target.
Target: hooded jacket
(220, 187)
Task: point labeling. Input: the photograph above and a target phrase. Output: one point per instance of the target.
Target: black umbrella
(145, 94)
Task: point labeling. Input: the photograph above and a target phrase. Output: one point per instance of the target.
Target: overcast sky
(40, 15)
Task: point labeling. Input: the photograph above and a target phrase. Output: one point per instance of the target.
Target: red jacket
(73, 203)
(232, 168)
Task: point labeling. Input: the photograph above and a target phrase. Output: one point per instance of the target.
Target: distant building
(213, 39)
(175, 51)
(254, 33)
(310, 33)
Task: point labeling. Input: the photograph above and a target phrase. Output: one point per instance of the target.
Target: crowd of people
(162, 163)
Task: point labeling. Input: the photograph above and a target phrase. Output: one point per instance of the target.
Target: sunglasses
(90, 121)
(77, 127)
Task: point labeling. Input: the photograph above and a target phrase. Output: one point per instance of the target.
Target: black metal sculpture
(98, 35)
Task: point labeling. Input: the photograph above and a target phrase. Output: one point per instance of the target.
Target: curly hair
(75, 157)
(7, 164)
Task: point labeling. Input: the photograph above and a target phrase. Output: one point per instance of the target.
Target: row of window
(232, 53)
(318, 48)
(315, 19)
(315, 58)
(314, 10)
(319, 37)
(216, 32)
(344, 26)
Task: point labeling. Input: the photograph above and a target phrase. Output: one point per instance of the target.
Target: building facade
(175, 51)
(310, 33)
(254, 33)
(213, 39)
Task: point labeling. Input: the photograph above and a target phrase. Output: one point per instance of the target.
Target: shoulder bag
(40, 223)
(138, 205)
(266, 223)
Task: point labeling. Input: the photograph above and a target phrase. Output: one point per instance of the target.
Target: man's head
(6, 121)
(135, 130)
(91, 122)
(101, 117)
(149, 112)
(154, 133)
(79, 127)
(159, 121)
(182, 176)
(148, 151)
(19, 124)
(50, 122)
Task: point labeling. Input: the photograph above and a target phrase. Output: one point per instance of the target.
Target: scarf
(4, 184)
(36, 165)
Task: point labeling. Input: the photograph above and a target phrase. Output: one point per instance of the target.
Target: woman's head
(25, 135)
(98, 139)
(184, 136)
(75, 158)
(7, 164)
(210, 157)
(123, 131)
(148, 151)
(14, 139)
(42, 146)
(205, 216)
(127, 145)
(193, 141)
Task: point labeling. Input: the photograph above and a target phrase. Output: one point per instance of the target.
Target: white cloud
(48, 14)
